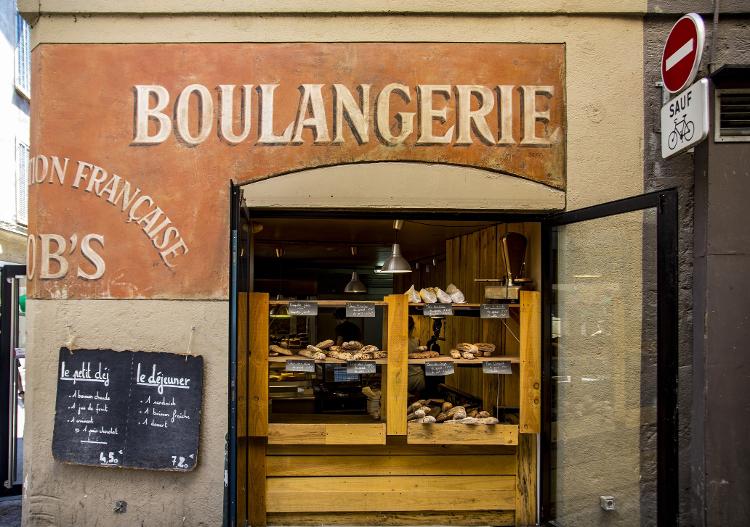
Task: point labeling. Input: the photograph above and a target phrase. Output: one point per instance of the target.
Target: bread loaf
(442, 296)
(414, 297)
(427, 296)
(278, 349)
(466, 346)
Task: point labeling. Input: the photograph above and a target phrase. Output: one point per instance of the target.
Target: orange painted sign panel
(134, 146)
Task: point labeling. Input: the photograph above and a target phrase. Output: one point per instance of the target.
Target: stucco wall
(604, 80)
(12, 247)
(732, 47)
(64, 495)
(604, 75)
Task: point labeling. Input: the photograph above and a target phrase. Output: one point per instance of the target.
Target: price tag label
(360, 367)
(494, 311)
(360, 310)
(438, 310)
(300, 365)
(438, 368)
(300, 308)
(497, 367)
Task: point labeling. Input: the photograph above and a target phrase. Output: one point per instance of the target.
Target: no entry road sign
(682, 52)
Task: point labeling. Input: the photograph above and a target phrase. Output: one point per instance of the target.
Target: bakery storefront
(361, 281)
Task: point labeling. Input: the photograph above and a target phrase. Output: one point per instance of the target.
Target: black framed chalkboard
(130, 409)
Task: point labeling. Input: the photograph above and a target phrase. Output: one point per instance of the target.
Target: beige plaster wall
(56, 494)
(404, 185)
(332, 6)
(604, 68)
(12, 247)
(604, 79)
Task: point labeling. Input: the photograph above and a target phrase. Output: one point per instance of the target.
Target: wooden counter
(348, 470)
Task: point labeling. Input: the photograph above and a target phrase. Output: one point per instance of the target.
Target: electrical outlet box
(607, 502)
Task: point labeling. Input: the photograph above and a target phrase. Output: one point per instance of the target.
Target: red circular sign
(682, 52)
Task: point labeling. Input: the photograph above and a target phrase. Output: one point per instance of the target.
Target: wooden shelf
(461, 434)
(477, 361)
(459, 310)
(326, 361)
(462, 307)
(328, 303)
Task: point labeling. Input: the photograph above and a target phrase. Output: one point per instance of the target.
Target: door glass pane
(19, 378)
(604, 371)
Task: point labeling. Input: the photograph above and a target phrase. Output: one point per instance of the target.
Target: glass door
(609, 450)
(12, 376)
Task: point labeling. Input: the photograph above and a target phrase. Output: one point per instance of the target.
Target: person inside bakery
(346, 330)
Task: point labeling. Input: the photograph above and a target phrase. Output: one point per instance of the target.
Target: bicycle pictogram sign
(683, 130)
(684, 120)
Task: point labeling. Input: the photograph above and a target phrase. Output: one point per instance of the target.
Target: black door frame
(665, 204)
(230, 476)
(7, 352)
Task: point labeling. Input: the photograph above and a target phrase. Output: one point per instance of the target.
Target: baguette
(273, 348)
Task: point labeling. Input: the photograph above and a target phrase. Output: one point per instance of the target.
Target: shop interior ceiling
(328, 242)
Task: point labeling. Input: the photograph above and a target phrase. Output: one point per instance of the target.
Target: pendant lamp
(396, 263)
(355, 285)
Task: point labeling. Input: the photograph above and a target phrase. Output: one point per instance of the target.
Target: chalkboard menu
(360, 310)
(438, 368)
(494, 311)
(499, 367)
(128, 409)
(437, 310)
(300, 308)
(361, 366)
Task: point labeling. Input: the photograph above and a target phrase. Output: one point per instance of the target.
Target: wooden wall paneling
(531, 369)
(397, 371)
(410, 465)
(327, 434)
(256, 476)
(510, 390)
(258, 375)
(526, 490)
(467, 518)
(390, 493)
(396, 446)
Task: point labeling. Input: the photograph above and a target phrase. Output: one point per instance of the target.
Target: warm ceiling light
(396, 263)
(279, 251)
(355, 285)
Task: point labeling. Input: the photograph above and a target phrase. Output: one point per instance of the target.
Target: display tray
(462, 307)
(327, 433)
(328, 303)
(282, 359)
(477, 362)
(461, 434)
